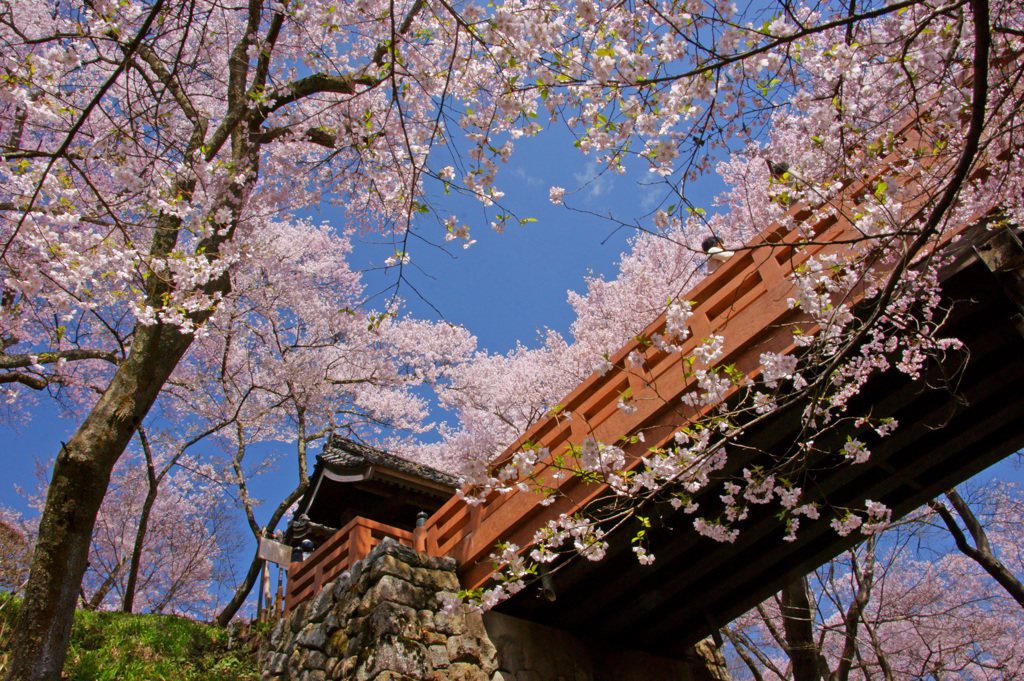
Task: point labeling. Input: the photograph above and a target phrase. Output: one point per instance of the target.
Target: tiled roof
(342, 456)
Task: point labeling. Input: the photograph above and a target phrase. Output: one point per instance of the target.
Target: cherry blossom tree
(291, 358)
(1003, 565)
(144, 148)
(14, 550)
(164, 547)
(905, 604)
(148, 148)
(156, 472)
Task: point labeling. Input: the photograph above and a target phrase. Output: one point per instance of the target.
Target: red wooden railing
(337, 554)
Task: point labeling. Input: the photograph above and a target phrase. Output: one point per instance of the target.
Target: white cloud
(592, 182)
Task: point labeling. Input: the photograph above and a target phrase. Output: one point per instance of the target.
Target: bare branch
(34, 382)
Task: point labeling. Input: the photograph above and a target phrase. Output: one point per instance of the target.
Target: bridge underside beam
(953, 424)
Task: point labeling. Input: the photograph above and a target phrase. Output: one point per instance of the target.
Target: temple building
(351, 479)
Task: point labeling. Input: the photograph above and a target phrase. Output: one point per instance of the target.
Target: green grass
(108, 645)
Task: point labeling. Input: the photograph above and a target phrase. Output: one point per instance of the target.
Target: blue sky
(506, 286)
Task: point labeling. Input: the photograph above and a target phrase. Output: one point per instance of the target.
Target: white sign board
(275, 552)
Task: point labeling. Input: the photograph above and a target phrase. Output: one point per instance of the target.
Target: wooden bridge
(696, 584)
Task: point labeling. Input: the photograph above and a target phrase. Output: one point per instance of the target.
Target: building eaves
(342, 456)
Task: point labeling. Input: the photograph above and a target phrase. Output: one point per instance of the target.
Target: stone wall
(382, 621)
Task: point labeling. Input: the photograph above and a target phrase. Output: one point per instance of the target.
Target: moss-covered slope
(108, 645)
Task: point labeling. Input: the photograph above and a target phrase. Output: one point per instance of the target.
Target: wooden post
(419, 539)
(419, 533)
(476, 515)
(431, 541)
(265, 590)
(279, 603)
(358, 543)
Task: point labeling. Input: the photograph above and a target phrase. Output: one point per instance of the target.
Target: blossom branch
(85, 113)
(939, 211)
(180, 96)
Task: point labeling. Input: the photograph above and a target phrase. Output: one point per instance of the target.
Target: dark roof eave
(346, 457)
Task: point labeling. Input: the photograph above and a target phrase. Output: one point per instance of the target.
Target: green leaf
(880, 190)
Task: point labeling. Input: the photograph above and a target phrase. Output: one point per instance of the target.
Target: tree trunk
(81, 474)
(140, 537)
(241, 593)
(798, 623)
(706, 662)
(97, 598)
(851, 620)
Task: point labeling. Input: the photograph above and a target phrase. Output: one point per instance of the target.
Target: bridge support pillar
(383, 621)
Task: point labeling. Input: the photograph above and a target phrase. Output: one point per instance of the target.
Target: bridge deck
(697, 584)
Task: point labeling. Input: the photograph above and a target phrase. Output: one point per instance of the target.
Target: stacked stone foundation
(383, 621)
